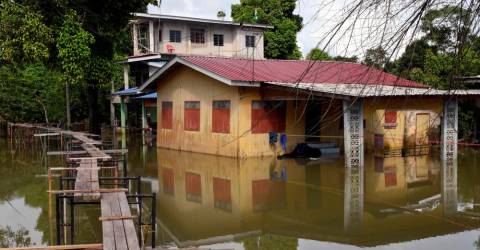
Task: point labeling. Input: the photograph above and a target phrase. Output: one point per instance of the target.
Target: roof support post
(135, 39)
(151, 36)
(123, 113)
(144, 122)
(125, 75)
(112, 107)
(449, 156)
(354, 164)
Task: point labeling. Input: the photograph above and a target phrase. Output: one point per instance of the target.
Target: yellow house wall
(407, 108)
(186, 84)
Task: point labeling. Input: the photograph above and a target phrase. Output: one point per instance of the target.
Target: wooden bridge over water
(89, 166)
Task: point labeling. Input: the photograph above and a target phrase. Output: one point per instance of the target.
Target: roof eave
(201, 20)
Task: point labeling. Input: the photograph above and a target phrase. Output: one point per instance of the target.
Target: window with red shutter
(192, 116)
(268, 194)
(390, 176)
(167, 114)
(268, 116)
(221, 117)
(222, 197)
(193, 187)
(390, 119)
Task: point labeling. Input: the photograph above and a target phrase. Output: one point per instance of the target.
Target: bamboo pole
(89, 191)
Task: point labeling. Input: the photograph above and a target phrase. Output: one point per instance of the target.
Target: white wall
(234, 39)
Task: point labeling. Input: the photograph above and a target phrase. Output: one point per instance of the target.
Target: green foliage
(353, 59)
(24, 38)
(73, 44)
(318, 55)
(281, 42)
(414, 55)
(32, 94)
(376, 57)
(444, 25)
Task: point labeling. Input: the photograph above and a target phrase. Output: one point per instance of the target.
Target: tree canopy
(281, 41)
(24, 38)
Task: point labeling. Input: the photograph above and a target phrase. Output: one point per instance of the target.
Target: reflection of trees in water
(271, 242)
(11, 238)
(18, 180)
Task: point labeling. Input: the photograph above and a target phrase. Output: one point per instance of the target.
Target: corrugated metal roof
(130, 91)
(147, 96)
(293, 71)
(362, 90)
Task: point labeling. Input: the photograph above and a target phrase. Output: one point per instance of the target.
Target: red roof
(294, 71)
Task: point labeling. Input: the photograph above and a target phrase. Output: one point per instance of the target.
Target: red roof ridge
(268, 59)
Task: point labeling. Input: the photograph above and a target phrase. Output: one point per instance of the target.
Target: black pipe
(140, 220)
(72, 219)
(57, 219)
(154, 218)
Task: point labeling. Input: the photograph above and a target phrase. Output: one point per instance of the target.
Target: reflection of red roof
(293, 71)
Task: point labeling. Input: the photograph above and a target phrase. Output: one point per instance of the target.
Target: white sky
(316, 14)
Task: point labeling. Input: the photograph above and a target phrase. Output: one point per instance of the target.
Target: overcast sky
(317, 18)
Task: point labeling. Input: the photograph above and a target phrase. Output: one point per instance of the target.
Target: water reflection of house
(231, 196)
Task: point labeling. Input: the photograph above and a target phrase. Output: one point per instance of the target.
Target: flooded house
(157, 39)
(248, 108)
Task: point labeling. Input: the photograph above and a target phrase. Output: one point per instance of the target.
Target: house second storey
(165, 34)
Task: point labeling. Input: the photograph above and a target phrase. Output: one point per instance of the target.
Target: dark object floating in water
(313, 150)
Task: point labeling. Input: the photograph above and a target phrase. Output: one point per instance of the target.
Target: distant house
(229, 106)
(165, 34)
(156, 39)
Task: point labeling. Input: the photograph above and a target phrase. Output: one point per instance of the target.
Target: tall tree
(73, 44)
(106, 21)
(280, 42)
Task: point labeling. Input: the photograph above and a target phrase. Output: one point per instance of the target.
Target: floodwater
(224, 203)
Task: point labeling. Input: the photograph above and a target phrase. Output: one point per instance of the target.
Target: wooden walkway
(117, 223)
(87, 179)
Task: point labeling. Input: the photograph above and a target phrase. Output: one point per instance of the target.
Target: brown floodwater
(264, 203)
